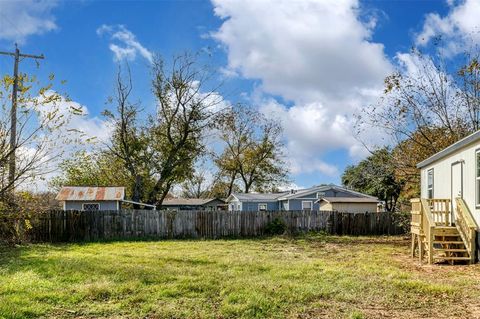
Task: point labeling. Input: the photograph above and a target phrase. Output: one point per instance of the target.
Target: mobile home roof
(451, 149)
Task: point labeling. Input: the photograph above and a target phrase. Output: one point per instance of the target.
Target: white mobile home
(454, 173)
(445, 218)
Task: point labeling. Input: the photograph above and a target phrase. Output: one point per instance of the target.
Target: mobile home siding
(350, 207)
(253, 206)
(296, 204)
(442, 177)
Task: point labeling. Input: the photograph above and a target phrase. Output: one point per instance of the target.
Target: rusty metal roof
(86, 193)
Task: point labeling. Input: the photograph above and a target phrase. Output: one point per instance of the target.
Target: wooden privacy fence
(64, 226)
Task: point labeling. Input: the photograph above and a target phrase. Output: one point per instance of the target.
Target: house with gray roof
(303, 199)
(194, 204)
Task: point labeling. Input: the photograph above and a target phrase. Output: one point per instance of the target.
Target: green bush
(275, 227)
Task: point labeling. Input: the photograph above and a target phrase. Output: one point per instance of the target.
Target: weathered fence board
(65, 226)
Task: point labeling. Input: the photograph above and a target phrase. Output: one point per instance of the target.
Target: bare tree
(41, 131)
(129, 142)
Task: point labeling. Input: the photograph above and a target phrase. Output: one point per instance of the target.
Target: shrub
(275, 227)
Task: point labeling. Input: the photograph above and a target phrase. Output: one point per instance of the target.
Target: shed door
(457, 184)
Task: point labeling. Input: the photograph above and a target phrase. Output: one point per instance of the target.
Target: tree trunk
(137, 195)
(232, 182)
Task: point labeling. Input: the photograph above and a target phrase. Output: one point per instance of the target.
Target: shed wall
(104, 205)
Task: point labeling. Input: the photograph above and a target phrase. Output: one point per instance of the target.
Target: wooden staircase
(438, 237)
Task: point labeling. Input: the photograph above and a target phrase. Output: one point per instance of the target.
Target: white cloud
(301, 50)
(124, 43)
(20, 19)
(70, 134)
(460, 24)
(316, 54)
(290, 186)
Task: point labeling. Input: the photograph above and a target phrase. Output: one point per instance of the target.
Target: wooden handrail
(466, 212)
(440, 210)
(466, 226)
(428, 227)
(427, 212)
(430, 214)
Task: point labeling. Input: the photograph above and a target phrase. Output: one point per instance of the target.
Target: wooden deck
(438, 235)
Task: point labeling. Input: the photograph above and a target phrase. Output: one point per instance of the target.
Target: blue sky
(313, 64)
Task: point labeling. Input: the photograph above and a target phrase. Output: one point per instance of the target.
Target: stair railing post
(430, 244)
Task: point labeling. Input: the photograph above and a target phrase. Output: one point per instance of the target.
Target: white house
(445, 218)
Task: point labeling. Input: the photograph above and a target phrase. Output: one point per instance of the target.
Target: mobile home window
(430, 183)
(262, 207)
(306, 205)
(477, 177)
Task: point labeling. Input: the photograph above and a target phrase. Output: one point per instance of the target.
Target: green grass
(312, 276)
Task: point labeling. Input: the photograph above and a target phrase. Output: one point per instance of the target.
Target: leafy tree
(90, 169)
(253, 150)
(222, 188)
(425, 109)
(376, 176)
(196, 186)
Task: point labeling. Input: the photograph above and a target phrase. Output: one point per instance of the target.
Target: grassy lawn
(313, 276)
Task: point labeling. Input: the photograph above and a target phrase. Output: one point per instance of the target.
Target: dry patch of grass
(305, 277)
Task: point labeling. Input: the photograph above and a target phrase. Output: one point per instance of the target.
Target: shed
(93, 198)
(194, 204)
(349, 204)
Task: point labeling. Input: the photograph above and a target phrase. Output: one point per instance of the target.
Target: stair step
(451, 250)
(458, 242)
(451, 258)
(444, 231)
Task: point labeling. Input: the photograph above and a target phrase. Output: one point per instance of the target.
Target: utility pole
(13, 114)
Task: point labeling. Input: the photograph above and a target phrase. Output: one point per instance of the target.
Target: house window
(320, 195)
(430, 183)
(477, 177)
(91, 207)
(306, 205)
(262, 207)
